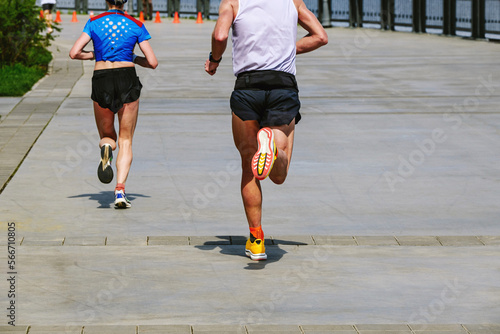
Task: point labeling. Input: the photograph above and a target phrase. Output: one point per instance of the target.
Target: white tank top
(264, 36)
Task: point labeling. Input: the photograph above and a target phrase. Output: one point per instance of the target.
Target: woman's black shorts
(111, 88)
(269, 97)
(47, 6)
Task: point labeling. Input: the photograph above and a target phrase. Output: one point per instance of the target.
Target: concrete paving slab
(292, 329)
(302, 240)
(490, 240)
(42, 242)
(239, 240)
(461, 331)
(315, 328)
(460, 240)
(14, 329)
(405, 240)
(330, 332)
(483, 328)
(382, 327)
(7, 104)
(221, 331)
(376, 241)
(436, 327)
(384, 331)
(169, 329)
(209, 240)
(84, 241)
(275, 332)
(203, 329)
(110, 329)
(168, 240)
(126, 241)
(54, 330)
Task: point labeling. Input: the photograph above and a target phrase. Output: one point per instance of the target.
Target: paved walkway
(388, 222)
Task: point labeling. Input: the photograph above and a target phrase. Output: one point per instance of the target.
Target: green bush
(23, 46)
(20, 31)
(38, 56)
(18, 79)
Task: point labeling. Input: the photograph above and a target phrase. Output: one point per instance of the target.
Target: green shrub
(18, 79)
(38, 56)
(23, 46)
(20, 31)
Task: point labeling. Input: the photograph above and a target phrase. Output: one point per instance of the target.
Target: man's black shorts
(47, 6)
(111, 88)
(269, 97)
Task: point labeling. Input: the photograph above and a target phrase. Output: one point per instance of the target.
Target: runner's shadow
(106, 198)
(235, 246)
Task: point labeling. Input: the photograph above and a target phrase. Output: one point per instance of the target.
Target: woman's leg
(105, 121)
(105, 125)
(127, 118)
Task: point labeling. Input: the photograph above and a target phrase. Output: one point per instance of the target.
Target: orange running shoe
(263, 160)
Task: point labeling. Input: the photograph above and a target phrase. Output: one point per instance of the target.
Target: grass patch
(18, 79)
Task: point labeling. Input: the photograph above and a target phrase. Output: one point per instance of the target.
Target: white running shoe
(121, 200)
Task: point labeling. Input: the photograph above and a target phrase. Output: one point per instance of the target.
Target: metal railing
(469, 18)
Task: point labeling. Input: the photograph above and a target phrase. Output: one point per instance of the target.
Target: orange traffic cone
(58, 17)
(126, 12)
(41, 14)
(157, 18)
(91, 14)
(176, 18)
(74, 19)
(141, 17)
(199, 19)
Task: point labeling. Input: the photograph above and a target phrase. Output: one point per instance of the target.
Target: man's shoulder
(231, 2)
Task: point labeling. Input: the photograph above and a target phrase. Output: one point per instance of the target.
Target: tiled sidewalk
(20, 129)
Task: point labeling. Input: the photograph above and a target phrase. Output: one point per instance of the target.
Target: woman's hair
(117, 2)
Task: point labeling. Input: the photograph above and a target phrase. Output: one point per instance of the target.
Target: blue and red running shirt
(114, 35)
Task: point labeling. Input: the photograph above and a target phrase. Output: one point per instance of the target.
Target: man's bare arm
(220, 34)
(316, 36)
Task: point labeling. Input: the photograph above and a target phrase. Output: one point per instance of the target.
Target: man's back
(264, 36)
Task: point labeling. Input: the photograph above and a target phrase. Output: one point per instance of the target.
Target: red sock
(120, 186)
(257, 232)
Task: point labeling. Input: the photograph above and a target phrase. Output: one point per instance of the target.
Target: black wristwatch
(212, 59)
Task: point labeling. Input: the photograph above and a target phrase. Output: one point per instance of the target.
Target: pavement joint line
(356, 240)
(481, 241)
(294, 240)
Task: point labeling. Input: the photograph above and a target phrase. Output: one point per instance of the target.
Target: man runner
(265, 103)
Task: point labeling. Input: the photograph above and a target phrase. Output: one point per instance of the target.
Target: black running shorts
(269, 97)
(47, 6)
(111, 88)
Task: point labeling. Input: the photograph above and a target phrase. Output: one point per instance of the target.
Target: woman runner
(115, 86)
